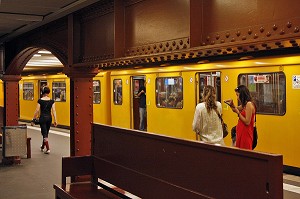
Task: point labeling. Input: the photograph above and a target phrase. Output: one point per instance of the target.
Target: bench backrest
(145, 164)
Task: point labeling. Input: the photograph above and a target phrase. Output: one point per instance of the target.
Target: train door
(42, 84)
(137, 82)
(208, 78)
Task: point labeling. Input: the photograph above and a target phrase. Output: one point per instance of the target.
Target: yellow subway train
(173, 92)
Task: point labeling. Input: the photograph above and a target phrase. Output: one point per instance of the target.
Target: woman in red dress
(246, 114)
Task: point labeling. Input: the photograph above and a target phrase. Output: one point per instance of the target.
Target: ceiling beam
(21, 17)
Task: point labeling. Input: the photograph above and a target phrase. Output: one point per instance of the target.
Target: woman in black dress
(45, 107)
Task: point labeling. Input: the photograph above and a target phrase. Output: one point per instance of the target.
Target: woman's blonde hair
(209, 97)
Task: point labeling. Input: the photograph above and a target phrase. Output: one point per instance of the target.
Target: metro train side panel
(27, 107)
(1, 93)
(102, 111)
(121, 113)
(171, 121)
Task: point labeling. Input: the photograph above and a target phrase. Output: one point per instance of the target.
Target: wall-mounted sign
(296, 81)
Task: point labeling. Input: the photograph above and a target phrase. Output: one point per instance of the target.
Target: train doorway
(42, 84)
(208, 78)
(137, 83)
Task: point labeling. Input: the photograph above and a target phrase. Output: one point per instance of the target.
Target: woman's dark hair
(245, 95)
(45, 90)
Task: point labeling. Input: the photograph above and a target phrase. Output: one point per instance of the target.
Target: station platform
(34, 177)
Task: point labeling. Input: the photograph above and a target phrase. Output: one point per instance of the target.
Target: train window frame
(175, 96)
(273, 100)
(28, 88)
(117, 93)
(59, 88)
(96, 92)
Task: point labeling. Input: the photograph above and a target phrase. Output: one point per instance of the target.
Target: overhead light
(44, 52)
(203, 61)
(37, 55)
(260, 62)
(245, 58)
(165, 64)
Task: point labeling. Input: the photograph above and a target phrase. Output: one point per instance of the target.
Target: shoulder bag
(224, 125)
(255, 135)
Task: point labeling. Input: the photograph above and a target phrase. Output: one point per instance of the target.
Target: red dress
(244, 133)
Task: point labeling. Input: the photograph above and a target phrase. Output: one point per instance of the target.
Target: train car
(173, 91)
(30, 88)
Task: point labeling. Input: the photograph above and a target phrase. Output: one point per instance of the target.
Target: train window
(96, 90)
(59, 91)
(169, 92)
(268, 91)
(118, 97)
(208, 78)
(28, 91)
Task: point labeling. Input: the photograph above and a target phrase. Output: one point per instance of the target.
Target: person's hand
(235, 109)
(229, 102)
(32, 124)
(55, 124)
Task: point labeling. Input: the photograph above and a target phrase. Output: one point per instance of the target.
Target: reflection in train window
(96, 90)
(169, 92)
(205, 79)
(268, 91)
(59, 91)
(117, 91)
(28, 91)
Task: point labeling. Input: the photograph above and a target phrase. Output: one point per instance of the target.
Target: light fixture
(245, 58)
(165, 64)
(203, 61)
(44, 52)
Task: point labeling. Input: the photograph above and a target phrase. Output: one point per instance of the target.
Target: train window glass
(169, 92)
(208, 78)
(59, 91)
(118, 97)
(28, 91)
(96, 90)
(268, 91)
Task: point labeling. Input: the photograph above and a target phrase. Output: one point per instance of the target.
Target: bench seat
(83, 190)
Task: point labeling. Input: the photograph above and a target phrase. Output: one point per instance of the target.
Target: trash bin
(14, 141)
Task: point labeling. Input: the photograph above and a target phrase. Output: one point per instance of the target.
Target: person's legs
(44, 134)
(142, 118)
(48, 124)
(45, 123)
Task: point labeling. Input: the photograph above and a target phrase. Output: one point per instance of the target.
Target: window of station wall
(169, 92)
(28, 91)
(268, 91)
(117, 89)
(59, 91)
(97, 93)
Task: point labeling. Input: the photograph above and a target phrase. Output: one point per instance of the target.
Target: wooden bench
(153, 166)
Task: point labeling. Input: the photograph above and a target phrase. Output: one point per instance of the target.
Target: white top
(208, 125)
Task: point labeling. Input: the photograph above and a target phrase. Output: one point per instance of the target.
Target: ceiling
(20, 16)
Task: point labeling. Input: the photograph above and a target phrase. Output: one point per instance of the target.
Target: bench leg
(28, 147)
